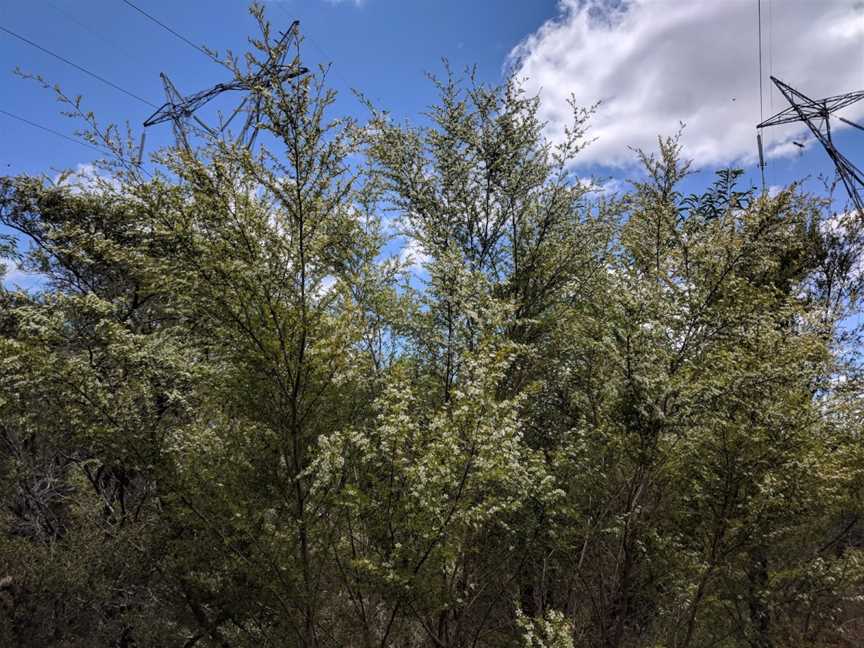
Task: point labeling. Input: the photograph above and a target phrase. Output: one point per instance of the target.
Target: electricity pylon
(179, 109)
(817, 115)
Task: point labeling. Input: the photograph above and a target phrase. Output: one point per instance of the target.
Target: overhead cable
(52, 131)
(175, 33)
(78, 67)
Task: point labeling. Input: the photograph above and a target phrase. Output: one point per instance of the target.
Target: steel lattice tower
(178, 109)
(816, 113)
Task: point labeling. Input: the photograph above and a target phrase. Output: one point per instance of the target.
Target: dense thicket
(232, 417)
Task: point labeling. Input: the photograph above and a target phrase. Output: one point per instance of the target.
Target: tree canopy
(232, 416)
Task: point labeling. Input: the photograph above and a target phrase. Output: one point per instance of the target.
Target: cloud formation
(86, 177)
(356, 3)
(14, 277)
(413, 256)
(654, 64)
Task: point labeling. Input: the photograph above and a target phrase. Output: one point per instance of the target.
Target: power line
(71, 139)
(759, 143)
(78, 67)
(770, 71)
(167, 28)
(770, 56)
(315, 44)
(109, 41)
(759, 21)
(52, 131)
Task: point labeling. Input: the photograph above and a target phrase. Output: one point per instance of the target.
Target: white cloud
(656, 63)
(17, 279)
(846, 226)
(356, 3)
(86, 178)
(605, 187)
(324, 286)
(414, 257)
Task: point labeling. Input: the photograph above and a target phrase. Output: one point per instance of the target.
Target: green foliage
(229, 417)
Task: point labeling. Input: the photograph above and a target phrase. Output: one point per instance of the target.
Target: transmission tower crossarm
(272, 71)
(807, 107)
(833, 104)
(816, 115)
(787, 116)
(851, 123)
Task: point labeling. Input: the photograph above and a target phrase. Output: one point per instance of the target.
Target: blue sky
(653, 63)
(382, 47)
